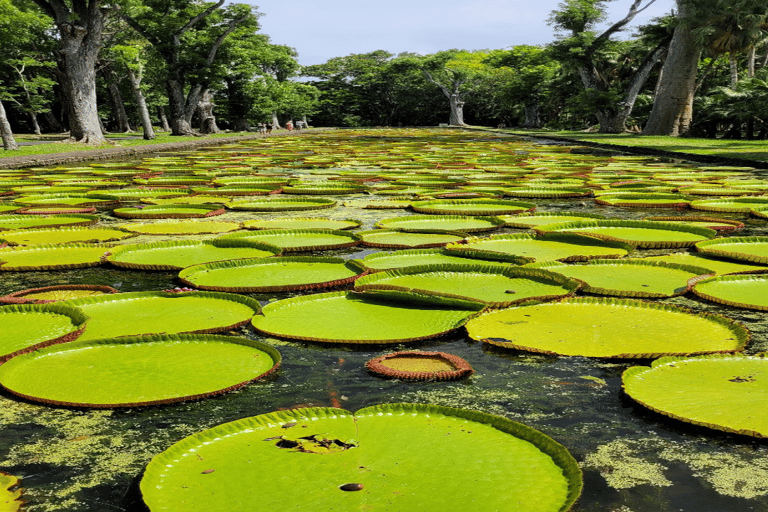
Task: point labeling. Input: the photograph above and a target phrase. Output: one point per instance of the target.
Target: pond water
(633, 459)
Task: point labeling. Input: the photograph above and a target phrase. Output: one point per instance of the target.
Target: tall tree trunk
(35, 124)
(208, 120)
(146, 121)
(532, 116)
(53, 123)
(275, 121)
(123, 125)
(9, 143)
(457, 110)
(751, 57)
(734, 68)
(672, 110)
(306, 123)
(177, 104)
(80, 29)
(164, 126)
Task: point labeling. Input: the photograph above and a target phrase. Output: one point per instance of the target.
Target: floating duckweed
(618, 463)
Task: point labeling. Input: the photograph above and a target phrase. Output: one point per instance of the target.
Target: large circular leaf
(340, 317)
(724, 392)
(608, 328)
(642, 234)
(182, 227)
(631, 278)
(268, 275)
(524, 248)
(748, 248)
(52, 257)
(282, 204)
(530, 220)
(489, 285)
(432, 223)
(301, 223)
(9, 222)
(139, 313)
(394, 456)
(379, 261)
(30, 326)
(388, 238)
(741, 291)
(298, 240)
(63, 235)
(472, 207)
(168, 211)
(175, 255)
(143, 370)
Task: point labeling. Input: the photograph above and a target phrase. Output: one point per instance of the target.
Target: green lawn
(745, 149)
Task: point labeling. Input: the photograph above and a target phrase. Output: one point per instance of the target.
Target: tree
(80, 25)
(9, 142)
(187, 35)
(595, 57)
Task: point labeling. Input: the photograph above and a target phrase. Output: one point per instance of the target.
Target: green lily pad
(282, 204)
(135, 194)
(123, 372)
(143, 313)
(727, 392)
(49, 200)
(380, 204)
(10, 222)
(631, 278)
(269, 275)
(321, 188)
(63, 236)
(302, 223)
(391, 239)
(393, 455)
(741, 291)
(719, 225)
(56, 210)
(379, 261)
(733, 205)
(188, 227)
(200, 199)
(168, 211)
(177, 254)
(492, 285)
(642, 200)
(52, 257)
(530, 220)
(8, 208)
(27, 327)
(298, 240)
(546, 192)
(524, 248)
(236, 190)
(341, 317)
(609, 328)
(716, 265)
(10, 493)
(432, 223)
(472, 207)
(749, 248)
(641, 234)
(56, 293)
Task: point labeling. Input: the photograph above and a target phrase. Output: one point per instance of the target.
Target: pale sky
(322, 29)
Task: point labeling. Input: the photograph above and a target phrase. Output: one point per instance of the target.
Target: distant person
(299, 125)
(261, 128)
(268, 127)
(289, 125)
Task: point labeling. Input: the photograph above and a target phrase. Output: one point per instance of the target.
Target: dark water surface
(633, 460)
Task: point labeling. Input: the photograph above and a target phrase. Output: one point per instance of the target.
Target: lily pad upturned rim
(18, 297)
(711, 247)
(465, 249)
(699, 292)
(114, 253)
(510, 219)
(128, 340)
(505, 207)
(95, 262)
(461, 367)
(353, 238)
(186, 274)
(369, 285)
(635, 374)
(347, 223)
(644, 200)
(391, 223)
(79, 321)
(55, 211)
(700, 274)
(283, 204)
(560, 456)
(156, 212)
(383, 232)
(574, 227)
(83, 219)
(120, 234)
(741, 334)
(138, 228)
(719, 225)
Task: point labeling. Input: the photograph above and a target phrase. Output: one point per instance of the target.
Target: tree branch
(215, 48)
(441, 86)
(634, 10)
(191, 23)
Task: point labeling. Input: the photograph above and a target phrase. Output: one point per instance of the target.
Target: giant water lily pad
(175, 255)
(472, 207)
(10, 493)
(723, 392)
(716, 265)
(733, 205)
(432, 223)
(753, 249)
(631, 278)
(140, 313)
(49, 200)
(494, 285)
(63, 236)
(282, 204)
(272, 274)
(52, 257)
(298, 240)
(524, 248)
(10, 222)
(391, 239)
(56, 293)
(741, 291)
(530, 220)
(642, 234)
(608, 328)
(187, 227)
(719, 225)
(379, 261)
(168, 211)
(30, 326)
(384, 457)
(302, 223)
(142, 370)
(644, 200)
(341, 317)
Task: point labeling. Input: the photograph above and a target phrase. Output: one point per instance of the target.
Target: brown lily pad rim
(462, 367)
(192, 337)
(138, 213)
(79, 320)
(18, 297)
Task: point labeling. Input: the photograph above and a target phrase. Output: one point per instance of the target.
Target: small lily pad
(418, 365)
